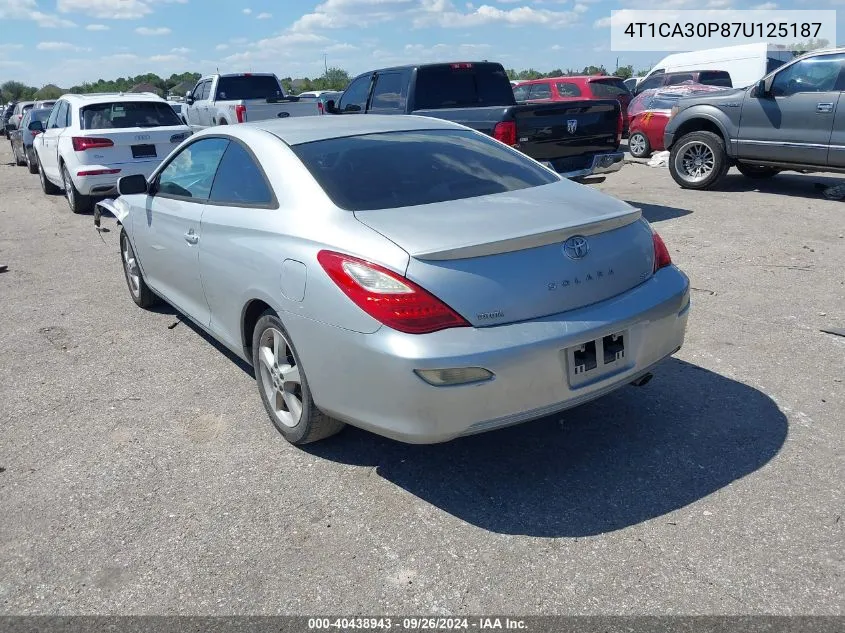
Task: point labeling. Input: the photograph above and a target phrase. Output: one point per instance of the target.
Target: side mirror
(330, 106)
(189, 98)
(10, 127)
(35, 126)
(129, 185)
(764, 87)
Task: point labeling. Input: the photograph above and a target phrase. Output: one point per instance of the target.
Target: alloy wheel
(69, 194)
(637, 144)
(280, 377)
(130, 266)
(695, 161)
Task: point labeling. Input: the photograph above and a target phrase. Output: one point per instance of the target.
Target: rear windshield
(41, 114)
(609, 88)
(248, 87)
(104, 116)
(468, 85)
(712, 78)
(404, 169)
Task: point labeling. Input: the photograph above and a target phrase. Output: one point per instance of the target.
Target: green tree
(16, 91)
(50, 91)
(812, 44)
(624, 71)
(529, 74)
(557, 72)
(594, 70)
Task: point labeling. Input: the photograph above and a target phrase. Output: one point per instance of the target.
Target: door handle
(824, 107)
(191, 237)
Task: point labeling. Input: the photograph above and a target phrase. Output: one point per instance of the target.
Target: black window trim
(272, 205)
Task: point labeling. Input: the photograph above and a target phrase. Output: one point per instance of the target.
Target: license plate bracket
(597, 359)
(144, 151)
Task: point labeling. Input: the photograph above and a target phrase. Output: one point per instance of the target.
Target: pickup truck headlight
(674, 111)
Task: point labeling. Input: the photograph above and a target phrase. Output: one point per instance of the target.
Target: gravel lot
(141, 475)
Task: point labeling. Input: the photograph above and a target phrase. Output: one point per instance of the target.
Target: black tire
(138, 288)
(639, 150)
(75, 200)
(685, 147)
(46, 186)
(757, 172)
(312, 424)
(222, 122)
(32, 165)
(20, 162)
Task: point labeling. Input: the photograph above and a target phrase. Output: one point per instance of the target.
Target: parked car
(744, 64)
(791, 119)
(631, 83)
(177, 108)
(238, 98)
(576, 88)
(91, 140)
(20, 109)
(23, 137)
(575, 140)
(476, 287)
(718, 78)
(5, 115)
(325, 97)
(649, 113)
(311, 94)
(47, 104)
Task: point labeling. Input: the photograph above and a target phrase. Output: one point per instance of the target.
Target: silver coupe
(406, 275)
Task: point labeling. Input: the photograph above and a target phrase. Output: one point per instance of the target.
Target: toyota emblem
(576, 247)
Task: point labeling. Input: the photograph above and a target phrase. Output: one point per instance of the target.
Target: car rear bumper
(601, 164)
(106, 184)
(368, 380)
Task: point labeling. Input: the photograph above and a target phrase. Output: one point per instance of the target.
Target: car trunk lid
(510, 257)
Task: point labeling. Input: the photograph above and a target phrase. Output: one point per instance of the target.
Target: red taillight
(240, 113)
(320, 108)
(36, 132)
(81, 143)
(505, 131)
(97, 172)
(387, 296)
(661, 253)
(461, 66)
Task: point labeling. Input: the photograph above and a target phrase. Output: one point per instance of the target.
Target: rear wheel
(20, 161)
(283, 386)
(46, 186)
(31, 163)
(75, 200)
(698, 160)
(638, 145)
(757, 172)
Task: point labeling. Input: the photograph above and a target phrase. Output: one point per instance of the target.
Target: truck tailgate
(562, 132)
(260, 110)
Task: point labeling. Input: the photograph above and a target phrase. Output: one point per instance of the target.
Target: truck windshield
(248, 87)
(462, 85)
(404, 169)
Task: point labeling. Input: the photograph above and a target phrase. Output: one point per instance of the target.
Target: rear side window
(674, 80)
(239, 180)
(713, 78)
(520, 93)
(42, 114)
(248, 87)
(389, 95)
(403, 169)
(462, 85)
(609, 88)
(568, 89)
(124, 114)
(540, 91)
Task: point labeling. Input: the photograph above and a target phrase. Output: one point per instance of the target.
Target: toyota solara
(405, 275)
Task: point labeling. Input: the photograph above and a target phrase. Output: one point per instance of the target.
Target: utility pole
(326, 63)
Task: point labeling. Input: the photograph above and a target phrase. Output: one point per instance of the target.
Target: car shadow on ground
(658, 212)
(632, 456)
(784, 184)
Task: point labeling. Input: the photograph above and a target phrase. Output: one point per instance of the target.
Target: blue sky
(70, 41)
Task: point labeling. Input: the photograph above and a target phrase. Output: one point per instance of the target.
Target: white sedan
(90, 141)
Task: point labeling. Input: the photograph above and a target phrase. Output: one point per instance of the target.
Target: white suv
(91, 140)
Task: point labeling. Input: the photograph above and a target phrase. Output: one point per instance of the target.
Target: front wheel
(757, 172)
(698, 160)
(283, 386)
(138, 288)
(638, 145)
(75, 200)
(46, 185)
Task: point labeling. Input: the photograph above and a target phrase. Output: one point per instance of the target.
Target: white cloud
(181, 50)
(580, 8)
(59, 46)
(145, 30)
(333, 14)
(97, 27)
(10, 47)
(766, 6)
(166, 58)
(247, 11)
(287, 45)
(221, 47)
(112, 9)
(264, 16)
(485, 14)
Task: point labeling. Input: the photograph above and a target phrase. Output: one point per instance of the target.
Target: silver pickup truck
(238, 98)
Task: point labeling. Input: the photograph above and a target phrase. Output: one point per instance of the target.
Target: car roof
(297, 130)
(110, 97)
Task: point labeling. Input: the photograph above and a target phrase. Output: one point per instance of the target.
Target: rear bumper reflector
(98, 172)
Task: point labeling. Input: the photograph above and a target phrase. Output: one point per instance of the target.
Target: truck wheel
(638, 145)
(222, 122)
(757, 172)
(698, 160)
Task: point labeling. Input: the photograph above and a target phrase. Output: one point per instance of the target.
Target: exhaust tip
(643, 380)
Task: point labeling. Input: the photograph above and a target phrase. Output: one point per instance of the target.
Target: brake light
(240, 113)
(35, 132)
(320, 108)
(82, 143)
(389, 297)
(505, 131)
(661, 253)
(461, 66)
(98, 172)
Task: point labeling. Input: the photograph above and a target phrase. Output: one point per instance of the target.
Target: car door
(241, 247)
(167, 232)
(390, 93)
(195, 110)
(793, 123)
(49, 151)
(836, 154)
(205, 112)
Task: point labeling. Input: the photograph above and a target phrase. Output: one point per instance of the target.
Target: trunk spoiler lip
(532, 240)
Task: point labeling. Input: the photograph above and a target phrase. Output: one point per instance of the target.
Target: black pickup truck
(576, 139)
